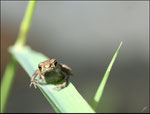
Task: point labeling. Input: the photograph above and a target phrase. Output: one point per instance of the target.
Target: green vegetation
(66, 100)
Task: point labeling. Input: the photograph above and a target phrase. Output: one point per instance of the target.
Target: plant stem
(7, 82)
(10, 70)
(25, 25)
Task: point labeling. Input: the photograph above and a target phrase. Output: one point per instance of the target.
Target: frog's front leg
(33, 81)
(42, 78)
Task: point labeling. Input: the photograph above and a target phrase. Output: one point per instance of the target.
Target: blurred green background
(84, 35)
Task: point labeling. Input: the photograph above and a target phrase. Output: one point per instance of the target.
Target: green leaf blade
(25, 25)
(10, 70)
(99, 92)
(7, 82)
(65, 100)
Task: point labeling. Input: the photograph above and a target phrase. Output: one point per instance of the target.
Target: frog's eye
(40, 67)
(55, 63)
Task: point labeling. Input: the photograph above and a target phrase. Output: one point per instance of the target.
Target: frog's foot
(34, 82)
(61, 86)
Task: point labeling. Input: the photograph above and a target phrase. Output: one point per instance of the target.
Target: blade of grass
(65, 100)
(9, 74)
(7, 82)
(104, 80)
(25, 25)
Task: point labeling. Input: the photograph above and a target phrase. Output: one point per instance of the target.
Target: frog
(52, 71)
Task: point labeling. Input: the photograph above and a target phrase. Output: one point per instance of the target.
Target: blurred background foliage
(84, 35)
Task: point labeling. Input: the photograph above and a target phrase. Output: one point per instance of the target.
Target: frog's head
(47, 65)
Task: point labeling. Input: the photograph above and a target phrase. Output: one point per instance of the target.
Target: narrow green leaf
(65, 100)
(25, 25)
(104, 80)
(7, 82)
(11, 67)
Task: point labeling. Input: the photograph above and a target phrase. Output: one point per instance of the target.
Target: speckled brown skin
(48, 66)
